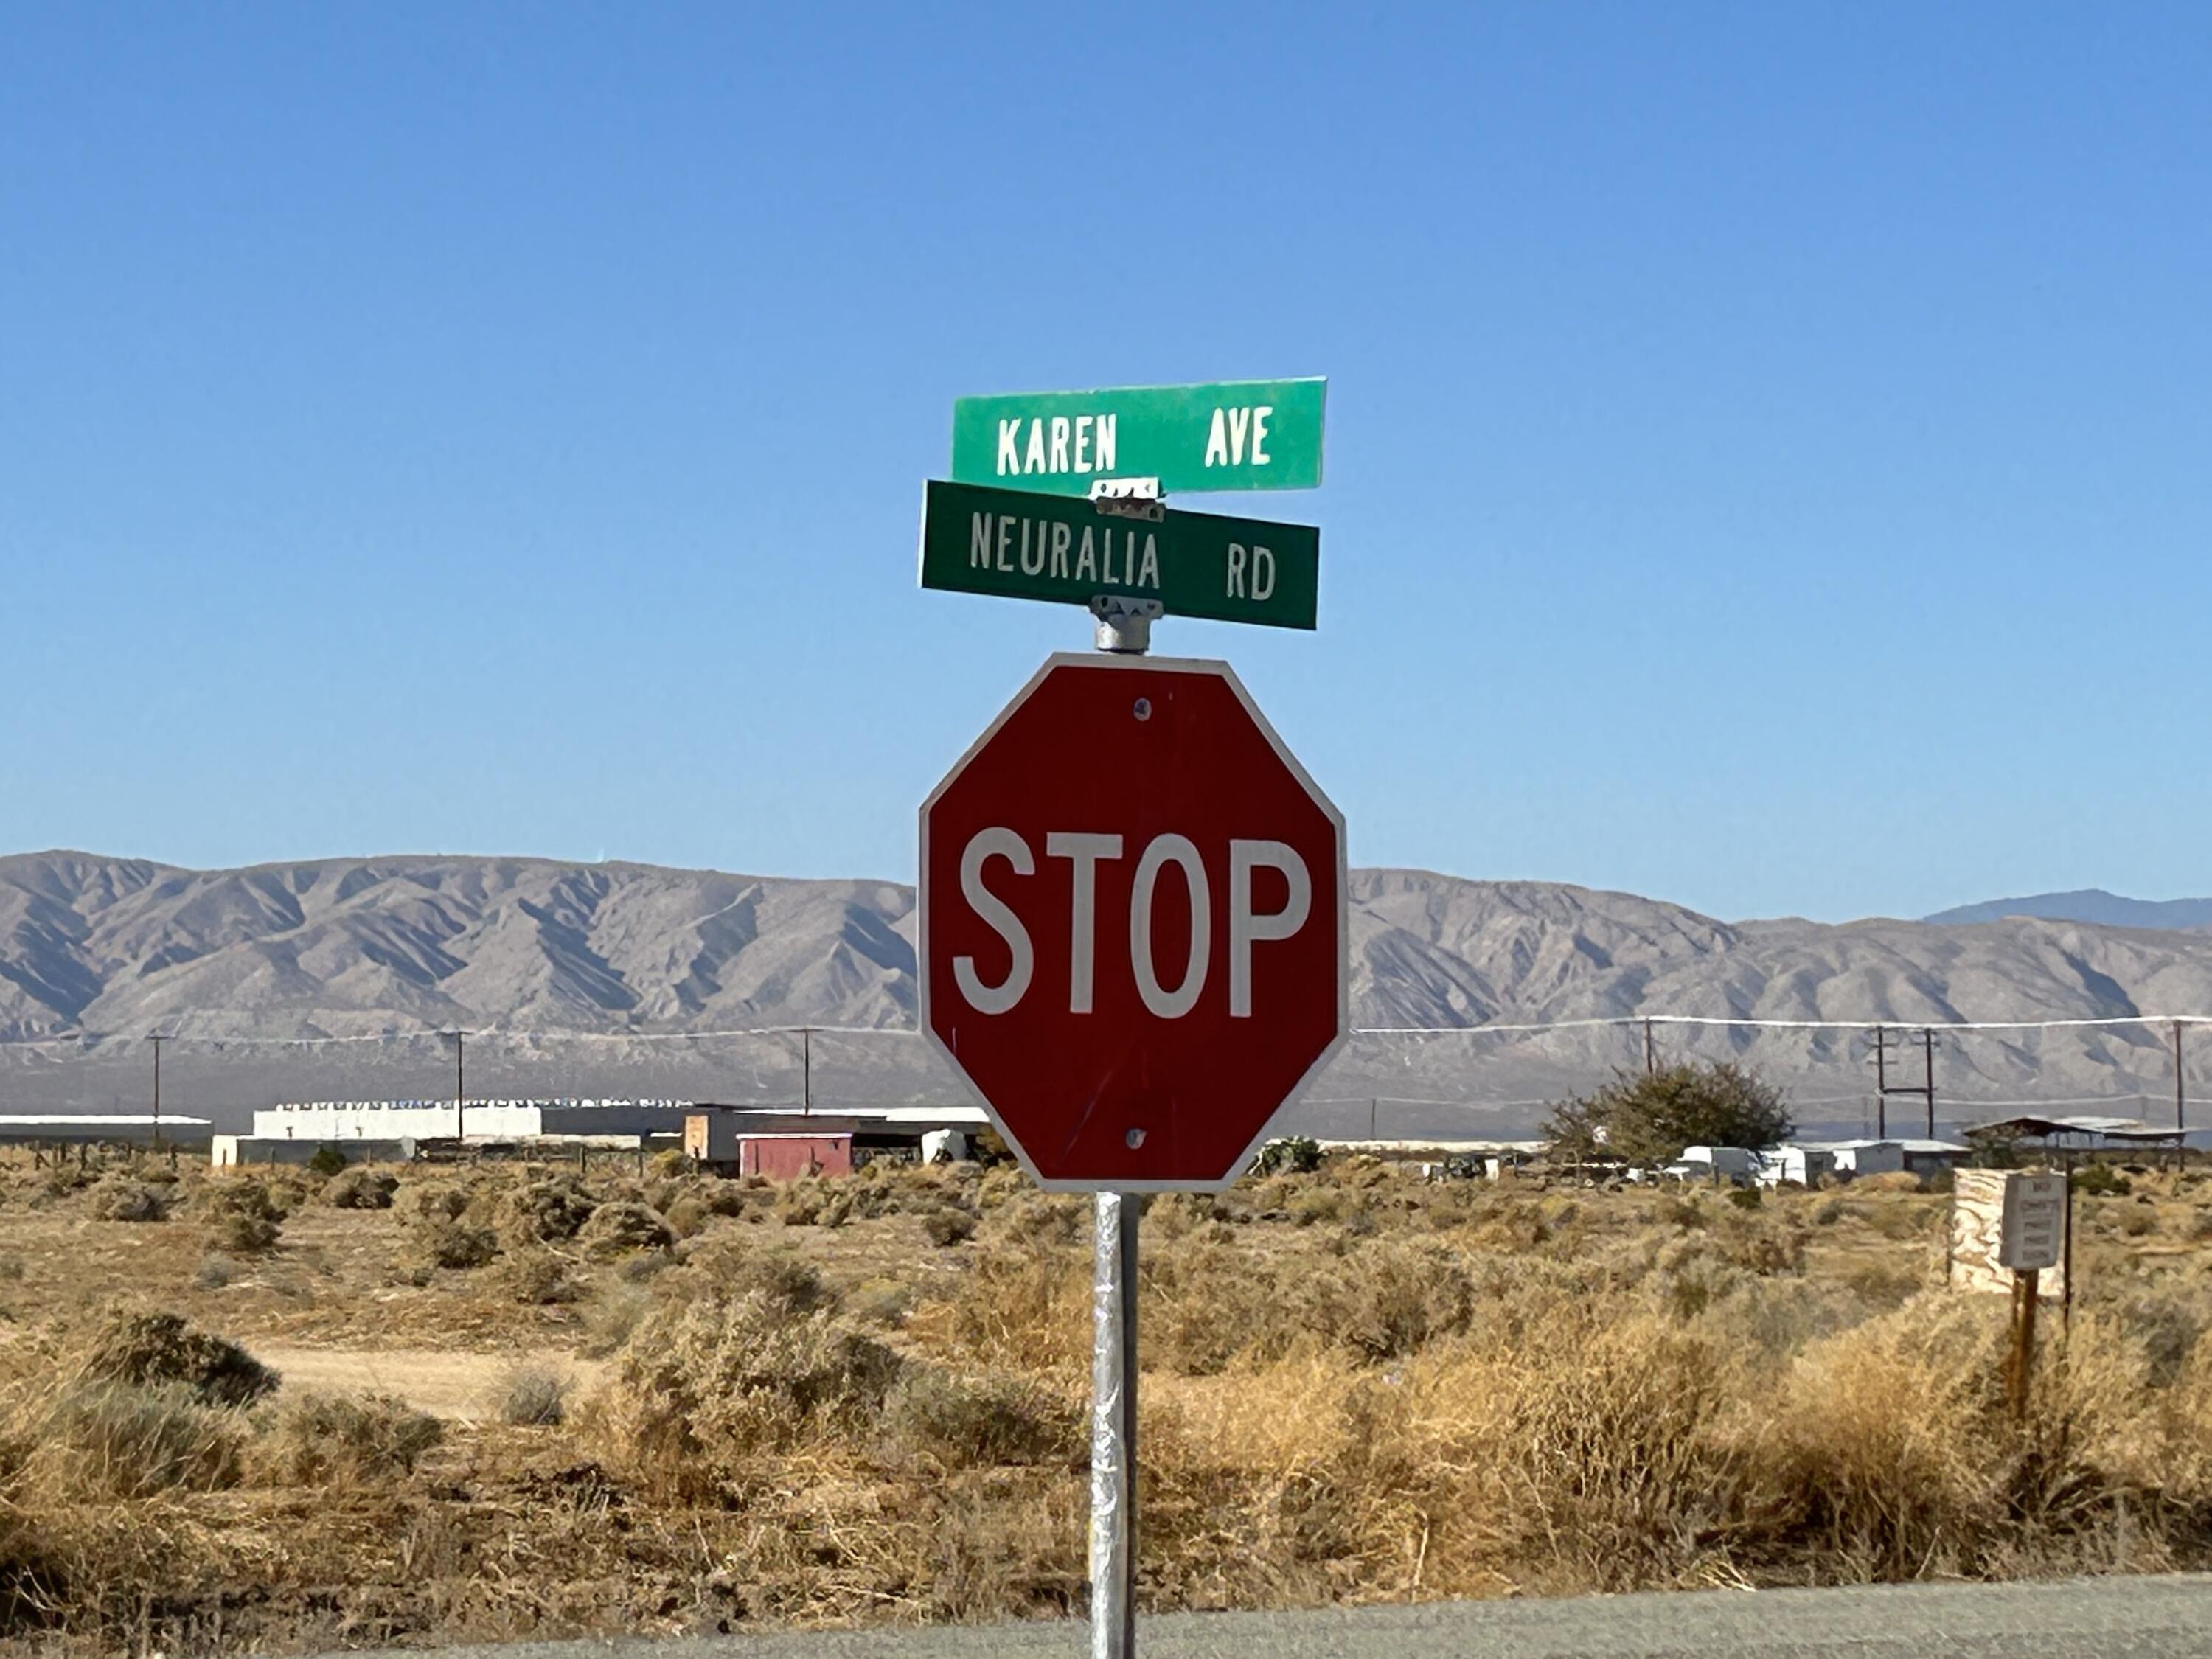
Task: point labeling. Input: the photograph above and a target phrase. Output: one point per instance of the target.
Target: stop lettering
(1132, 924)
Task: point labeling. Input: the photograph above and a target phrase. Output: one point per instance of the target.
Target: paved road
(2165, 1618)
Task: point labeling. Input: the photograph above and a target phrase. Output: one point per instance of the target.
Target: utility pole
(806, 1071)
(1884, 1088)
(157, 1041)
(460, 1045)
(1928, 1052)
(1651, 1052)
(1881, 1084)
(2180, 1098)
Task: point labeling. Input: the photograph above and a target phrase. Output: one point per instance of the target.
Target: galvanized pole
(1113, 1428)
(806, 1071)
(1124, 627)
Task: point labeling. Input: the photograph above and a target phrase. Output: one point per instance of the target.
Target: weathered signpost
(1132, 924)
(2008, 1229)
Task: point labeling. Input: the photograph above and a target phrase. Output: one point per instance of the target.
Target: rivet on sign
(1143, 712)
(1135, 1137)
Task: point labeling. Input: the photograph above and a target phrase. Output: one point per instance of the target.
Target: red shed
(787, 1158)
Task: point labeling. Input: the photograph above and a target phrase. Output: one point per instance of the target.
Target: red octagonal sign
(1132, 924)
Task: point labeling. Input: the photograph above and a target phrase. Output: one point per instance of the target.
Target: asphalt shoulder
(2165, 1617)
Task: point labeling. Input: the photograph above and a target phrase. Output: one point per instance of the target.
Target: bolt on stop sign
(1132, 924)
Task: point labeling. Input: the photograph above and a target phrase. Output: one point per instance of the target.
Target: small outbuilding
(782, 1145)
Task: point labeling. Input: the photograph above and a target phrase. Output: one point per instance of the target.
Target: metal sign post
(1114, 1426)
(1116, 786)
(1124, 628)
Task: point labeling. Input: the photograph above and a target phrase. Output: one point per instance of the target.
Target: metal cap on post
(1125, 625)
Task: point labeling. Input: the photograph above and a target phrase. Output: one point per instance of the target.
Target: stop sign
(1133, 936)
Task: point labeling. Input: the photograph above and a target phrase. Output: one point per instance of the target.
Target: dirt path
(464, 1386)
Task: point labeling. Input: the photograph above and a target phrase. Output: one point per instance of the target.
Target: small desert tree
(1650, 1120)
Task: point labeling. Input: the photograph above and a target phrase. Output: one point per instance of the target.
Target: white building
(1738, 1164)
(1805, 1162)
(474, 1119)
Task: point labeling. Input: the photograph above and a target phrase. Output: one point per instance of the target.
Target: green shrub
(949, 1226)
(536, 1278)
(442, 1203)
(622, 1227)
(549, 1211)
(532, 1397)
(327, 1162)
(1290, 1154)
(981, 1421)
(150, 1349)
(2102, 1181)
(1650, 1119)
(801, 1202)
(243, 1217)
(360, 1189)
(119, 1198)
(117, 1440)
(454, 1244)
(700, 1385)
(323, 1439)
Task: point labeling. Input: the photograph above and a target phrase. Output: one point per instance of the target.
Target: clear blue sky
(1769, 447)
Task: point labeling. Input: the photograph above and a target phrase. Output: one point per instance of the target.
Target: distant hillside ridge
(2091, 904)
(633, 957)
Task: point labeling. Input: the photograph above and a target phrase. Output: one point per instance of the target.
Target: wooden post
(2021, 1369)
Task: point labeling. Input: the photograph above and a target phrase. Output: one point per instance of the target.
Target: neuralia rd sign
(1022, 545)
(1229, 434)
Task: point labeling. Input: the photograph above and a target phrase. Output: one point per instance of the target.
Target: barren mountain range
(595, 979)
(2088, 904)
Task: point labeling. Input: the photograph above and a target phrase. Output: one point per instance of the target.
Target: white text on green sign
(1021, 545)
(1233, 434)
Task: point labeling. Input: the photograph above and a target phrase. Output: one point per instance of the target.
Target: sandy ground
(466, 1387)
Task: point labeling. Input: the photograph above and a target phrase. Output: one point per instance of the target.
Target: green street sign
(1020, 544)
(1233, 434)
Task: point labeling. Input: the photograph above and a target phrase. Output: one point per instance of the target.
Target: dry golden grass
(830, 1404)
